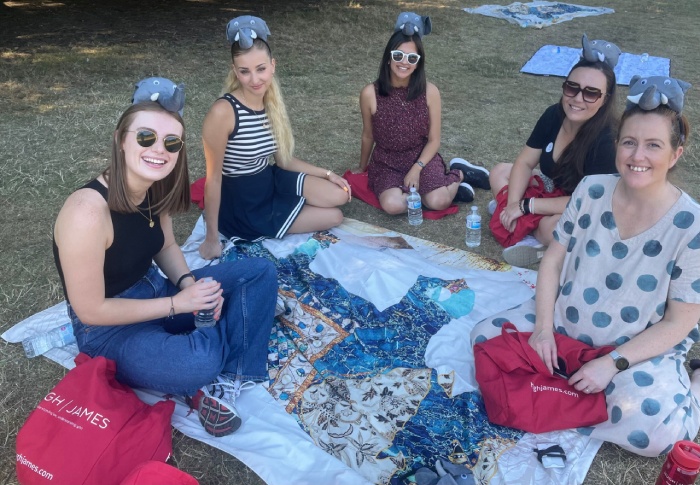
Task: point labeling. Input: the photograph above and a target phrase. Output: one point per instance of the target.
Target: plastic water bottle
(473, 239)
(682, 464)
(57, 337)
(645, 57)
(415, 210)
(205, 318)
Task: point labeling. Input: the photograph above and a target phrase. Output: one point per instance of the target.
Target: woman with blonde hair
(245, 196)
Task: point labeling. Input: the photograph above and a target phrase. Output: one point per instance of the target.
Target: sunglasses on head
(589, 94)
(399, 56)
(147, 138)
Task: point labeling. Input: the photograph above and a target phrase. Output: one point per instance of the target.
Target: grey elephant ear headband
(169, 95)
(651, 92)
(600, 51)
(245, 30)
(410, 23)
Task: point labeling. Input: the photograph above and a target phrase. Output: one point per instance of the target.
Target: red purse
(519, 392)
(91, 429)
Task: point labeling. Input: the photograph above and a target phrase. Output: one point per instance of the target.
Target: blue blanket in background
(554, 60)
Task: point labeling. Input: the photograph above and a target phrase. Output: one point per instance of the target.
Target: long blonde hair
(273, 102)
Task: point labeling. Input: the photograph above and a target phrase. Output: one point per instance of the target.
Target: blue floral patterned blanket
(538, 14)
(371, 375)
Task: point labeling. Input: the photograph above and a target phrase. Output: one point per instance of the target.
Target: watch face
(621, 363)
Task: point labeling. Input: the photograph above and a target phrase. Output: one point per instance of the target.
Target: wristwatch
(620, 362)
(420, 164)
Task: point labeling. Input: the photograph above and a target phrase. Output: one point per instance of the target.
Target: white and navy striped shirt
(251, 143)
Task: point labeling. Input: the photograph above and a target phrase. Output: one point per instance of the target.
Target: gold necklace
(149, 218)
(264, 121)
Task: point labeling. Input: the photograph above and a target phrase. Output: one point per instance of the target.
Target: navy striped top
(251, 143)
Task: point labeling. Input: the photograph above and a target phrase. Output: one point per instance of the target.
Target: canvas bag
(519, 392)
(91, 429)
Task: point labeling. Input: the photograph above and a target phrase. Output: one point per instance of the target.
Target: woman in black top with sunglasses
(401, 127)
(573, 138)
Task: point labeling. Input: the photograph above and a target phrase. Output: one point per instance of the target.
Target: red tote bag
(91, 429)
(519, 392)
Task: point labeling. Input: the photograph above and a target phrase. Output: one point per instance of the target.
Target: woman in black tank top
(106, 238)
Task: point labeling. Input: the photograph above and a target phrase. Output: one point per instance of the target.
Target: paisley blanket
(371, 375)
(538, 14)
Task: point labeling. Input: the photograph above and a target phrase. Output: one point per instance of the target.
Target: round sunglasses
(147, 138)
(589, 94)
(399, 56)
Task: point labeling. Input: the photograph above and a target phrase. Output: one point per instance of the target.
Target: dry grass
(66, 73)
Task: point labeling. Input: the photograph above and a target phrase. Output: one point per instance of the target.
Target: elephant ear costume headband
(410, 23)
(600, 51)
(245, 30)
(169, 95)
(651, 92)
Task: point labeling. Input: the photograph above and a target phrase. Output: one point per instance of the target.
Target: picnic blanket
(538, 14)
(555, 60)
(371, 369)
(360, 189)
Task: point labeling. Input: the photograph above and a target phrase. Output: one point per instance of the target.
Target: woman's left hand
(342, 183)
(412, 178)
(594, 376)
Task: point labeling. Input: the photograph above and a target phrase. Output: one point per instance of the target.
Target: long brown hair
(568, 170)
(168, 196)
(274, 104)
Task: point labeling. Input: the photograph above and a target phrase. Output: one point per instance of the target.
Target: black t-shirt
(132, 250)
(599, 160)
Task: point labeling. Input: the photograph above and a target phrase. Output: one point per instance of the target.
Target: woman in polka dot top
(624, 270)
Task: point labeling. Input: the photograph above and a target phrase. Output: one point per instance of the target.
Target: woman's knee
(438, 199)
(394, 205)
(498, 177)
(340, 197)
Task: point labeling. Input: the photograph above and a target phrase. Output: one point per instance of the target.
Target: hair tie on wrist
(172, 308)
(186, 275)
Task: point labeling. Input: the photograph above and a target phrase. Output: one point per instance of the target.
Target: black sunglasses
(589, 94)
(399, 56)
(147, 138)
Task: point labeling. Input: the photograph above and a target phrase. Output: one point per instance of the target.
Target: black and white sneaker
(473, 174)
(465, 193)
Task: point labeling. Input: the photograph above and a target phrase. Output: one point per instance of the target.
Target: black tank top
(132, 250)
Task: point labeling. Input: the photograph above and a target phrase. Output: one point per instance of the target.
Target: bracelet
(328, 174)
(521, 205)
(172, 308)
(525, 206)
(186, 275)
(420, 164)
(532, 205)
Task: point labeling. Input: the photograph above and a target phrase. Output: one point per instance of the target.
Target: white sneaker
(492, 206)
(215, 405)
(524, 253)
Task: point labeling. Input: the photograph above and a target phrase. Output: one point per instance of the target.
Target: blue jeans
(170, 355)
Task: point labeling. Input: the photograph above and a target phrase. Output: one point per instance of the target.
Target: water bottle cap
(413, 189)
(475, 208)
(687, 454)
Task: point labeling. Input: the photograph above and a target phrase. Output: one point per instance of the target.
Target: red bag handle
(517, 342)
